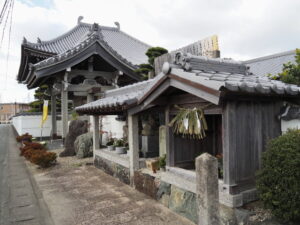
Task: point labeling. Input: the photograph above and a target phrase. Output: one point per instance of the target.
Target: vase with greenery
(110, 144)
(220, 165)
(120, 146)
(162, 162)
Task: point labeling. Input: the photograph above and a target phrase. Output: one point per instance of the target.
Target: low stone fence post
(207, 189)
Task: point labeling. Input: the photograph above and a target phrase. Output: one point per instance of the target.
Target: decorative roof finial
(95, 27)
(24, 41)
(39, 40)
(80, 18)
(118, 25)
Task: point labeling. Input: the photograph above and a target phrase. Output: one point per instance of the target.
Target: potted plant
(220, 165)
(120, 146)
(162, 162)
(110, 144)
(126, 145)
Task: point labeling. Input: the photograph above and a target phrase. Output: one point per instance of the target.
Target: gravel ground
(77, 193)
(64, 163)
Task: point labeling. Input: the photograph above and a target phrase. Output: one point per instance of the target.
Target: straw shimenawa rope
(191, 123)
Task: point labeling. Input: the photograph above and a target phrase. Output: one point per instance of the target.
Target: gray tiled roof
(237, 82)
(272, 64)
(64, 42)
(214, 76)
(120, 43)
(120, 97)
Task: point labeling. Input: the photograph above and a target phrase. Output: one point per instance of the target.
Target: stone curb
(41, 202)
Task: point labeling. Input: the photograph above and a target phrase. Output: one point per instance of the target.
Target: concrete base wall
(176, 193)
(113, 169)
(180, 201)
(32, 125)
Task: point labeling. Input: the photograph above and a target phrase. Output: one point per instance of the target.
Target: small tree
(152, 53)
(291, 71)
(41, 94)
(278, 182)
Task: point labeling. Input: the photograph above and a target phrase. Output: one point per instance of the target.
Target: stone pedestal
(150, 146)
(162, 140)
(207, 189)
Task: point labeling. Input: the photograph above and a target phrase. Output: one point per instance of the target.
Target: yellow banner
(45, 112)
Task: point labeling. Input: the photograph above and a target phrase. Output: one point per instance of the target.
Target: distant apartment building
(8, 110)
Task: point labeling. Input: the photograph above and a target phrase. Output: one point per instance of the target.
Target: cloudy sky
(246, 29)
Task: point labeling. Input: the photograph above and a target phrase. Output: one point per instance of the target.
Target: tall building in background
(8, 110)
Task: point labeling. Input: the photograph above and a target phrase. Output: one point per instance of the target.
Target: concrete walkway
(83, 195)
(20, 201)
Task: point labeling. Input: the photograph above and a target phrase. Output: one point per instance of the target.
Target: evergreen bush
(43, 159)
(24, 137)
(278, 182)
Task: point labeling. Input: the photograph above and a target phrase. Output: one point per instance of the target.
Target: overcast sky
(246, 28)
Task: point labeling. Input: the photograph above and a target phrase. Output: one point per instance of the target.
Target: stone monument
(76, 128)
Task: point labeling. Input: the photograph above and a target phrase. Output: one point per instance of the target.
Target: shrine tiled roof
(117, 99)
(120, 43)
(232, 75)
(197, 72)
(272, 64)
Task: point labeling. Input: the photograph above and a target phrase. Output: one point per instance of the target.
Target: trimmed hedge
(43, 159)
(24, 137)
(36, 153)
(278, 182)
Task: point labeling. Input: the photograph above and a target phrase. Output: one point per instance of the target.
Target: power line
(9, 39)
(3, 10)
(6, 19)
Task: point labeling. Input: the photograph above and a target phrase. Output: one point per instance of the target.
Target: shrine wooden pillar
(64, 104)
(53, 113)
(133, 139)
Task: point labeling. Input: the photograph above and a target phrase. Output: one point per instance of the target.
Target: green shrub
(30, 146)
(119, 143)
(278, 182)
(28, 154)
(24, 137)
(162, 161)
(43, 159)
(110, 141)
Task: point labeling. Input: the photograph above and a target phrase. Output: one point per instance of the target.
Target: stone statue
(84, 145)
(76, 128)
(149, 126)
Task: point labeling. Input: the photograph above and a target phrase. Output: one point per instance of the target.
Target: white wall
(32, 125)
(110, 124)
(292, 124)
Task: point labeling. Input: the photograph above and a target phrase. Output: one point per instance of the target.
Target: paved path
(20, 202)
(84, 195)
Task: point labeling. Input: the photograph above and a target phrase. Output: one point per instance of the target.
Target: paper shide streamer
(190, 122)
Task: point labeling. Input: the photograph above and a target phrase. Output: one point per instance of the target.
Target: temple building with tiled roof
(82, 63)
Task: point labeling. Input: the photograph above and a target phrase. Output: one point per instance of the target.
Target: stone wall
(178, 200)
(113, 169)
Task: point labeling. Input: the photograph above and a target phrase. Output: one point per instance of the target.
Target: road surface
(20, 202)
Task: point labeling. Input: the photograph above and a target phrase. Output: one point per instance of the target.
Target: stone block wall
(178, 200)
(113, 169)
